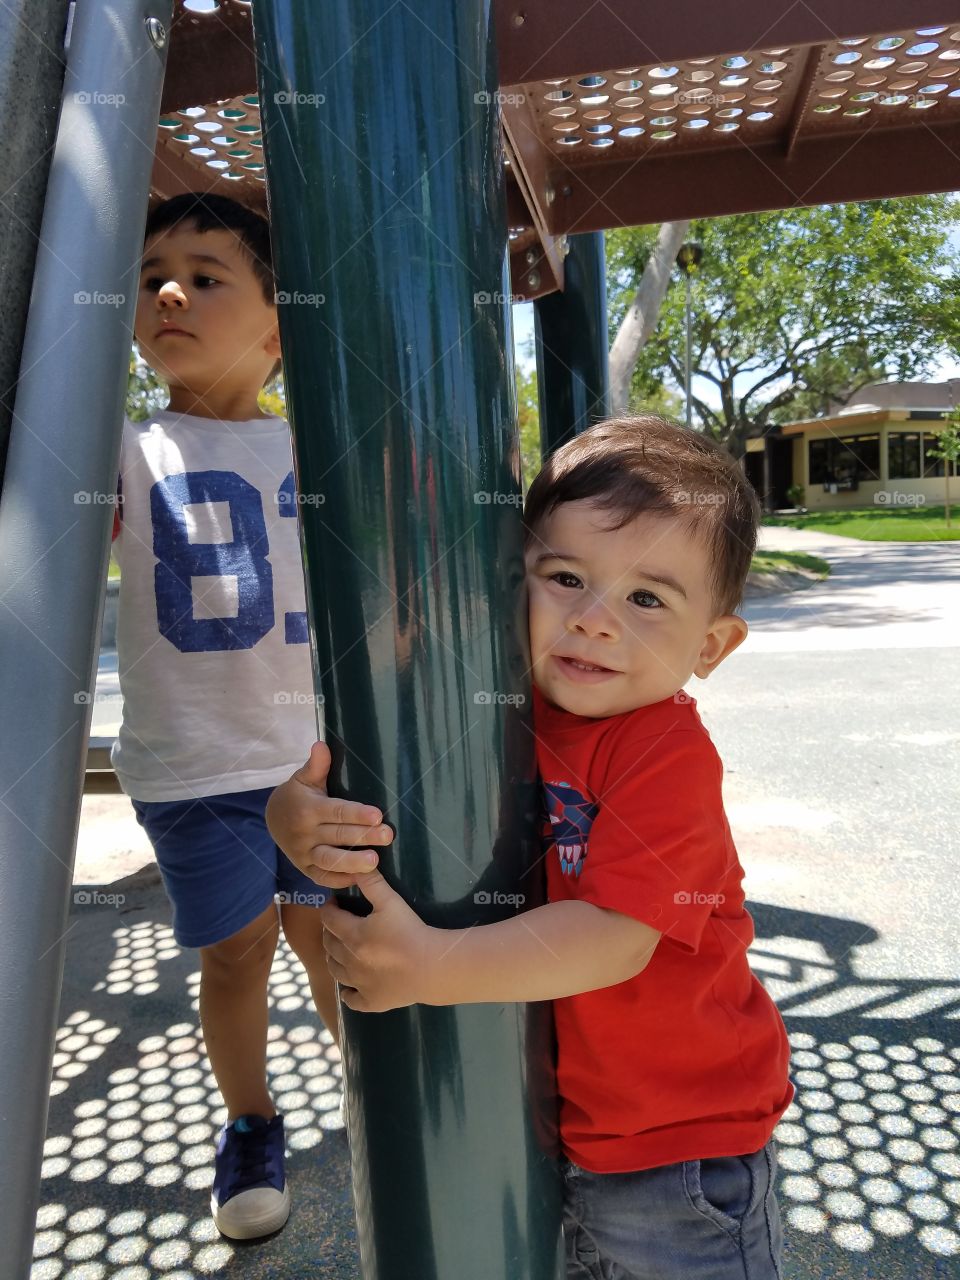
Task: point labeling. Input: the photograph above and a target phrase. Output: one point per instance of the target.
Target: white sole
(233, 1223)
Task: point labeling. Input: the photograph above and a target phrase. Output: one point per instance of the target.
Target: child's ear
(726, 634)
(272, 345)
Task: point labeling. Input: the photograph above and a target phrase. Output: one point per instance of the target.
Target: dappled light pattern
(869, 1147)
(152, 1129)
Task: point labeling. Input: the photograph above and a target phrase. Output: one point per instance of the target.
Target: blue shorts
(219, 863)
(711, 1219)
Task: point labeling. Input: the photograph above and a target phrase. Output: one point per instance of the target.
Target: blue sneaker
(250, 1195)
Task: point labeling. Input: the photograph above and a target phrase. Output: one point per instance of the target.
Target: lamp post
(688, 260)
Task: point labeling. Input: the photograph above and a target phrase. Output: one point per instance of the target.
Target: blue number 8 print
(244, 558)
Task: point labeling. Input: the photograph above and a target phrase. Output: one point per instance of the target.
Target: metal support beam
(573, 374)
(31, 80)
(556, 38)
(54, 535)
(389, 231)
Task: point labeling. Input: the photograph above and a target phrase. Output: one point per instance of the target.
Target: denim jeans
(712, 1219)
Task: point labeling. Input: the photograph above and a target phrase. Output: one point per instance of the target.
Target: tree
(795, 310)
(948, 451)
(642, 312)
(528, 420)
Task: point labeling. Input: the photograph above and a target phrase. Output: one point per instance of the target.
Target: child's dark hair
(210, 212)
(642, 465)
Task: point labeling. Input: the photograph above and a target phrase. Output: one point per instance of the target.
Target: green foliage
(876, 524)
(948, 441)
(528, 418)
(772, 561)
(798, 308)
(147, 392)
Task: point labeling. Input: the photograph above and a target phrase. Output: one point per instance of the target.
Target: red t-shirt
(688, 1059)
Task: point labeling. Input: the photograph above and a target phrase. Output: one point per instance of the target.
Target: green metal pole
(570, 326)
(385, 182)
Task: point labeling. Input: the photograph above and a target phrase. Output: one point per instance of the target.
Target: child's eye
(565, 579)
(646, 600)
(207, 279)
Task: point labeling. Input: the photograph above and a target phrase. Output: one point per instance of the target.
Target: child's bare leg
(233, 1014)
(303, 930)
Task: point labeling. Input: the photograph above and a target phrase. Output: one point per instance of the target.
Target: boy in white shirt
(214, 663)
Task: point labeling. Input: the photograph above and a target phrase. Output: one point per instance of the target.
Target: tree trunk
(641, 316)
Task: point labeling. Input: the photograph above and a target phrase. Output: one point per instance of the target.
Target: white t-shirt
(212, 639)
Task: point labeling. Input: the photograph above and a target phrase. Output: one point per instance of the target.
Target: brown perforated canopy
(620, 113)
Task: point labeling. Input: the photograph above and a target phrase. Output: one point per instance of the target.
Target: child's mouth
(583, 672)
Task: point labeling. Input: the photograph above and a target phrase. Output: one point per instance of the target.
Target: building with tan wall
(874, 450)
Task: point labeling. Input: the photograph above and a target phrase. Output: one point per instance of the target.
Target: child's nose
(171, 296)
(594, 619)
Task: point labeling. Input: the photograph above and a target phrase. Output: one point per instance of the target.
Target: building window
(934, 466)
(845, 461)
(903, 455)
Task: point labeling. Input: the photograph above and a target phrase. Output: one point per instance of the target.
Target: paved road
(837, 721)
(838, 724)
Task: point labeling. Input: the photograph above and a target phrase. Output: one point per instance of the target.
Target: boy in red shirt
(672, 1059)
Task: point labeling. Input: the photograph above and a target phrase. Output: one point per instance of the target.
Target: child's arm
(390, 958)
(308, 825)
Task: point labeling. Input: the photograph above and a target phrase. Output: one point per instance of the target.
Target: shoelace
(253, 1162)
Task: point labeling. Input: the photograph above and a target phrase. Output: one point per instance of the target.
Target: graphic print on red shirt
(688, 1059)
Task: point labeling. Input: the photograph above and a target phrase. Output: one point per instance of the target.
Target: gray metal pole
(31, 81)
(54, 534)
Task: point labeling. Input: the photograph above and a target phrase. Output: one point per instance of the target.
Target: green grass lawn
(880, 524)
(775, 561)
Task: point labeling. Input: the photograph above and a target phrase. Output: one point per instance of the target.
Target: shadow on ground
(870, 1175)
(134, 1112)
(870, 1182)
